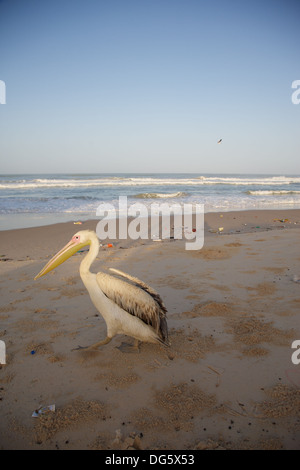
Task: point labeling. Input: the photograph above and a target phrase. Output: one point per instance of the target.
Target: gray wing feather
(136, 298)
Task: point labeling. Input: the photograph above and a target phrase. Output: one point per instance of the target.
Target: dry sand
(226, 382)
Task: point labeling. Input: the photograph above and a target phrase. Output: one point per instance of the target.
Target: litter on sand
(43, 410)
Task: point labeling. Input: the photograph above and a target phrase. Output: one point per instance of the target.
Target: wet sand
(226, 382)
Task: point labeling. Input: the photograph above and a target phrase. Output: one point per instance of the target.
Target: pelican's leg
(101, 343)
(94, 346)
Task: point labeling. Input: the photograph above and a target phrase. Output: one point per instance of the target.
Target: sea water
(33, 200)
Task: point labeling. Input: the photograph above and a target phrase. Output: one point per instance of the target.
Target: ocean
(33, 200)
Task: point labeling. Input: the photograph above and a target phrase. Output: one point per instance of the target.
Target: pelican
(129, 307)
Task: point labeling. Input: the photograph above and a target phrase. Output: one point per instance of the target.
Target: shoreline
(226, 382)
(20, 221)
(234, 222)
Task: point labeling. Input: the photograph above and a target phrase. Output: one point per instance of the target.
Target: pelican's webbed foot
(80, 348)
(129, 348)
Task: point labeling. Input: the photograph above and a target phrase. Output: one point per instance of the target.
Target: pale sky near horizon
(149, 86)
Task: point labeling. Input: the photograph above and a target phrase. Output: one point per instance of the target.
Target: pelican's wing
(143, 286)
(136, 298)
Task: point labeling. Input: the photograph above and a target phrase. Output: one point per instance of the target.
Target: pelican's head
(78, 241)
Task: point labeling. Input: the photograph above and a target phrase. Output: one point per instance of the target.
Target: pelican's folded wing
(136, 298)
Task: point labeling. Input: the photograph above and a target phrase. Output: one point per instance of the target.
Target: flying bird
(129, 307)
(219, 141)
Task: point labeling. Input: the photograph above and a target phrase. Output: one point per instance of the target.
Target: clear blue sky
(149, 86)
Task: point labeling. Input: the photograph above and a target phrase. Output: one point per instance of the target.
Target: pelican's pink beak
(65, 253)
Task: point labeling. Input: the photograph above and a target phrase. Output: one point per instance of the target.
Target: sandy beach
(226, 382)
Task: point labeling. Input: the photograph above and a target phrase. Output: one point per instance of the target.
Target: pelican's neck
(91, 256)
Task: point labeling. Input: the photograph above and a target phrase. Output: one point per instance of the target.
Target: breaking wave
(159, 195)
(271, 192)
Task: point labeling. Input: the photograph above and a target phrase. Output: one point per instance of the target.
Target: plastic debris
(109, 245)
(43, 410)
(77, 223)
(221, 229)
(281, 220)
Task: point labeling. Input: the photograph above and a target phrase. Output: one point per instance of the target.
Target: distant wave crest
(271, 193)
(159, 195)
(245, 181)
(145, 181)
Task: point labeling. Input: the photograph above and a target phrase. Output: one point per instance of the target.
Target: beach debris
(109, 245)
(296, 278)
(281, 220)
(219, 141)
(43, 410)
(218, 374)
(32, 352)
(77, 223)
(219, 230)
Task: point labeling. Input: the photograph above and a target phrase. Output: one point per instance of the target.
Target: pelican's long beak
(65, 253)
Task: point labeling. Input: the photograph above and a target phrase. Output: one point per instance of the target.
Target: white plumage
(129, 307)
